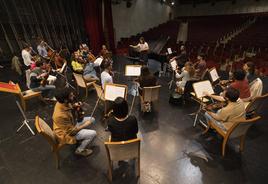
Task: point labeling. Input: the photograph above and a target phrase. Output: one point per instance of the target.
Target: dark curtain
(92, 10)
(109, 26)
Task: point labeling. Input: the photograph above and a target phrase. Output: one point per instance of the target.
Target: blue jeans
(47, 90)
(215, 122)
(85, 135)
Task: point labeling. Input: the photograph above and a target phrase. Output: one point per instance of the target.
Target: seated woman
(241, 84)
(77, 63)
(122, 126)
(186, 75)
(146, 79)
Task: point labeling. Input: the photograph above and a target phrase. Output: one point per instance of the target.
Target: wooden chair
(237, 130)
(27, 95)
(149, 95)
(43, 128)
(123, 150)
(82, 83)
(255, 107)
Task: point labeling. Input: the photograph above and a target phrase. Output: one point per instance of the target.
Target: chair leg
(242, 143)
(207, 128)
(137, 166)
(224, 146)
(110, 172)
(86, 92)
(57, 159)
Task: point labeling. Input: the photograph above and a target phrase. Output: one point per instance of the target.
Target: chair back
(256, 106)
(241, 127)
(99, 91)
(123, 150)
(79, 80)
(28, 80)
(150, 94)
(256, 88)
(43, 128)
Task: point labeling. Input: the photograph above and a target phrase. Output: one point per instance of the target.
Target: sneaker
(85, 152)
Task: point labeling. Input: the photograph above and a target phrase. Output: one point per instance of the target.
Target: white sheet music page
(111, 92)
(173, 65)
(169, 50)
(133, 70)
(214, 75)
(201, 87)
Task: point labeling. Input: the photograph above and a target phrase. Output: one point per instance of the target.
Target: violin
(44, 82)
(79, 111)
(215, 106)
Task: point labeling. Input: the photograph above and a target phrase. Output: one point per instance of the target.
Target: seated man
(38, 78)
(225, 117)
(66, 129)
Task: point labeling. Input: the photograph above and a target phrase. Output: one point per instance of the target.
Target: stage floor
(172, 150)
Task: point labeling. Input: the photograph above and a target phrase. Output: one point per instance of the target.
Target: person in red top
(241, 84)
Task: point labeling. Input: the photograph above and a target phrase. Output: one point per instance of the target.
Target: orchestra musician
(89, 73)
(38, 80)
(122, 126)
(146, 79)
(186, 74)
(26, 56)
(107, 74)
(77, 62)
(241, 84)
(249, 68)
(234, 110)
(41, 48)
(143, 49)
(67, 130)
(181, 58)
(200, 66)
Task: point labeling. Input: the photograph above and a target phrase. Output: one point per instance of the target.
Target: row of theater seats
(205, 35)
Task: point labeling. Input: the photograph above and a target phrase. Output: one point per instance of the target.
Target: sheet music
(173, 65)
(214, 75)
(201, 87)
(169, 50)
(133, 70)
(111, 92)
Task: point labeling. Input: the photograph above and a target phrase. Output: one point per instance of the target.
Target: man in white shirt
(106, 77)
(41, 48)
(26, 56)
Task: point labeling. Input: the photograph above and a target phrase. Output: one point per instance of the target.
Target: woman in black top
(146, 79)
(122, 126)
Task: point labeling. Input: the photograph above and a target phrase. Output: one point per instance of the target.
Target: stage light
(172, 3)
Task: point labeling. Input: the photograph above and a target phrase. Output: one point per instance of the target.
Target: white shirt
(106, 78)
(143, 46)
(27, 57)
(98, 61)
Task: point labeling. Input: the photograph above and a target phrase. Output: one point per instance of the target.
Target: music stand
(174, 67)
(133, 71)
(64, 69)
(199, 89)
(25, 121)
